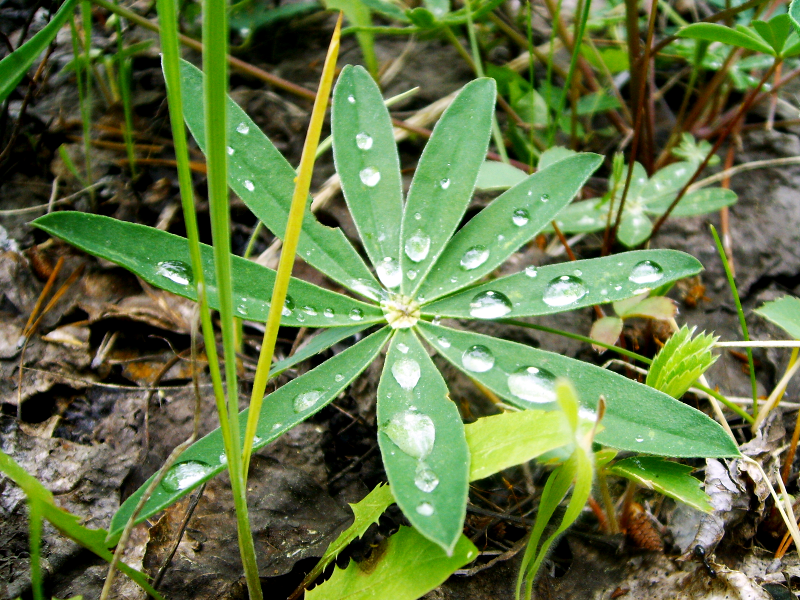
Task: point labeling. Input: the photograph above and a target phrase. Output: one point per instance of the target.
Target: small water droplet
(185, 474)
(521, 217)
(338, 377)
(443, 342)
(413, 432)
(277, 426)
(300, 317)
(176, 271)
(646, 271)
(453, 279)
(531, 271)
(310, 311)
(489, 305)
(288, 307)
(351, 99)
(306, 400)
(444, 183)
(223, 459)
(639, 438)
(474, 258)
(389, 272)
(328, 313)
(249, 185)
(406, 372)
(436, 320)
(363, 141)
(417, 246)
(356, 314)
(230, 151)
(402, 347)
(477, 359)
(412, 274)
(577, 272)
(533, 384)
(243, 128)
(563, 291)
(545, 197)
(617, 287)
(425, 509)
(417, 216)
(584, 412)
(425, 479)
(370, 176)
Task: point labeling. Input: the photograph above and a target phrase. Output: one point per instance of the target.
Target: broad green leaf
(406, 568)
(496, 175)
(666, 477)
(775, 32)
(162, 259)
(366, 159)
(667, 181)
(14, 66)
(264, 180)
(510, 221)
(445, 179)
(712, 32)
(320, 342)
(637, 418)
(784, 312)
(633, 229)
(422, 442)
(794, 13)
(567, 286)
(93, 540)
(681, 361)
(282, 409)
(693, 151)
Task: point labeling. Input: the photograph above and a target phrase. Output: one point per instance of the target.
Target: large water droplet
(474, 258)
(306, 400)
(328, 313)
(183, 475)
(489, 305)
(533, 384)
(531, 271)
(521, 217)
(243, 128)
(477, 359)
(563, 291)
(425, 509)
(389, 272)
(370, 176)
(425, 479)
(288, 307)
(363, 141)
(310, 310)
(445, 183)
(646, 271)
(417, 246)
(406, 372)
(356, 314)
(176, 271)
(413, 432)
(249, 185)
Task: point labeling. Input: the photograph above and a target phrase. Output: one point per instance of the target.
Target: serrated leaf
(422, 442)
(406, 567)
(496, 175)
(363, 145)
(282, 409)
(681, 361)
(637, 418)
(712, 32)
(509, 221)
(445, 179)
(606, 330)
(784, 312)
(567, 286)
(162, 259)
(666, 477)
(264, 180)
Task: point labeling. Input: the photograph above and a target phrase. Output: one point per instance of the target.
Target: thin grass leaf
(666, 477)
(785, 313)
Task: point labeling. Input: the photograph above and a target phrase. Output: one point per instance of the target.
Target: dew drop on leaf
(306, 400)
(531, 271)
(310, 311)
(389, 273)
(417, 216)
(443, 342)
(413, 432)
(474, 258)
(425, 479)
(230, 151)
(477, 359)
(417, 246)
(328, 313)
(243, 128)
(412, 274)
(406, 372)
(563, 291)
(639, 438)
(356, 314)
(521, 217)
(444, 183)
(533, 385)
(338, 377)
(288, 307)
(363, 141)
(646, 271)
(183, 475)
(489, 305)
(545, 197)
(370, 176)
(351, 99)
(425, 509)
(402, 348)
(249, 185)
(176, 271)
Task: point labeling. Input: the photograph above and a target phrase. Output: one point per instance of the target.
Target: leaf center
(401, 311)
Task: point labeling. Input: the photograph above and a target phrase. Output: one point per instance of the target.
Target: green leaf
(606, 330)
(784, 312)
(496, 175)
(666, 477)
(637, 418)
(444, 179)
(406, 568)
(775, 32)
(387, 9)
(162, 259)
(681, 361)
(422, 442)
(794, 13)
(282, 409)
(567, 286)
(318, 343)
(657, 307)
(366, 160)
(257, 164)
(712, 32)
(439, 8)
(695, 203)
(14, 66)
(510, 221)
(553, 155)
(633, 229)
(358, 14)
(667, 182)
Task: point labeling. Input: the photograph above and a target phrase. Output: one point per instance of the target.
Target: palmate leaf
(681, 361)
(264, 180)
(283, 409)
(637, 417)
(785, 313)
(422, 442)
(162, 259)
(444, 180)
(666, 477)
(567, 286)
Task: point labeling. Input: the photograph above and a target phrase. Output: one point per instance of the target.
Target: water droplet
(533, 384)
(545, 197)
(577, 272)
(370, 176)
(338, 377)
(425, 479)
(363, 141)
(417, 216)
(477, 359)
(443, 342)
(563, 291)
(328, 313)
(277, 426)
(306, 400)
(300, 317)
(310, 310)
(646, 271)
(249, 185)
(356, 314)
(453, 279)
(639, 438)
(444, 183)
(474, 258)
(413, 432)
(351, 99)
(183, 475)
(584, 412)
(243, 128)
(489, 305)
(365, 288)
(531, 271)
(406, 372)
(176, 271)
(402, 347)
(521, 217)
(412, 274)
(288, 307)
(389, 272)
(230, 151)
(425, 509)
(417, 246)
(617, 287)
(223, 459)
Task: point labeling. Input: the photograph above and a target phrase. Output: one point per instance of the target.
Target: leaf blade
(666, 477)
(784, 312)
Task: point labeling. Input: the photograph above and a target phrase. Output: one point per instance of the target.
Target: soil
(92, 416)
